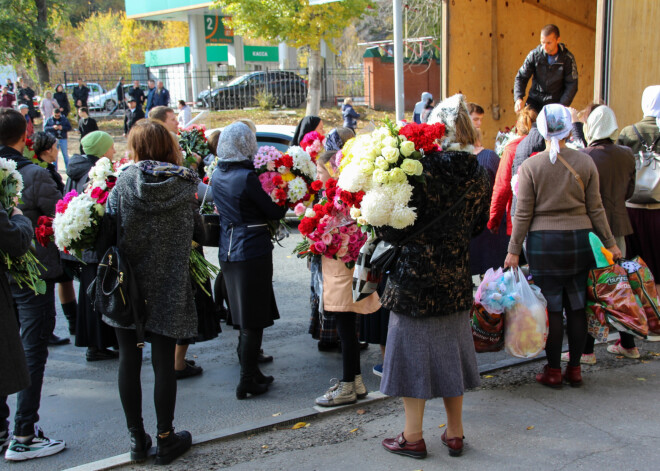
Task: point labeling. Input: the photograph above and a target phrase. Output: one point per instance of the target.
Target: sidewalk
(611, 423)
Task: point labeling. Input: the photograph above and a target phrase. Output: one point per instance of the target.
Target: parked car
(287, 88)
(108, 99)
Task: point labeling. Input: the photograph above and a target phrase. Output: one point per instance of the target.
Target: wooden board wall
(519, 23)
(634, 56)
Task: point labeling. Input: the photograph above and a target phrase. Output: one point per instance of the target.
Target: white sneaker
(38, 447)
(338, 394)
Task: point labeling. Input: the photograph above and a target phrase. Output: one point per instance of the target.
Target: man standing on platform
(553, 71)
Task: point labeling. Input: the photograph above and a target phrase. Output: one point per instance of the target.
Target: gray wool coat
(158, 219)
(15, 239)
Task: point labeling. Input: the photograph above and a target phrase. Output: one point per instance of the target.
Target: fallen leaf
(299, 425)
(488, 376)
(531, 427)
(307, 425)
(644, 361)
(288, 256)
(641, 379)
(619, 357)
(277, 414)
(264, 447)
(441, 425)
(361, 412)
(353, 431)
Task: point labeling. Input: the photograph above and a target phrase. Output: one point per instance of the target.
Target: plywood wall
(634, 57)
(519, 23)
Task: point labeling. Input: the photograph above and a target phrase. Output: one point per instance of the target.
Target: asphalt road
(80, 403)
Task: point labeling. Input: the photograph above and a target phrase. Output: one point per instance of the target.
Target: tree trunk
(314, 92)
(40, 59)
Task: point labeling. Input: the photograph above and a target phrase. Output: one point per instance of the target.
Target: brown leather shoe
(550, 377)
(573, 376)
(455, 444)
(400, 446)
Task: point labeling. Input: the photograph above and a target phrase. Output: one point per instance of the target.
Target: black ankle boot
(70, 312)
(250, 386)
(140, 444)
(261, 378)
(172, 446)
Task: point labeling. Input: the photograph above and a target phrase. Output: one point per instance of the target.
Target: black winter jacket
(79, 167)
(63, 100)
(244, 208)
(556, 83)
(132, 117)
(80, 94)
(138, 95)
(432, 277)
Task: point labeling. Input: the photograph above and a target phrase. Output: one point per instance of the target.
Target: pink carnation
(266, 180)
(299, 210)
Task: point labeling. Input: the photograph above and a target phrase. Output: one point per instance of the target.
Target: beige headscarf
(601, 124)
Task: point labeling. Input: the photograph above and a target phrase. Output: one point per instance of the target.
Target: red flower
(100, 195)
(280, 194)
(45, 221)
(204, 180)
(306, 226)
(44, 234)
(346, 197)
(110, 182)
(317, 185)
(330, 183)
(286, 160)
(423, 135)
(330, 193)
(277, 180)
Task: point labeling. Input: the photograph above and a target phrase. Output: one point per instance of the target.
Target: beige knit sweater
(550, 199)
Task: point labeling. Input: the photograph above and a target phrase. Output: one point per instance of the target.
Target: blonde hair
(466, 133)
(526, 118)
(249, 123)
(348, 100)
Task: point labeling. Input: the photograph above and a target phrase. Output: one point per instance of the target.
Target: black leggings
(576, 331)
(350, 352)
(627, 341)
(130, 386)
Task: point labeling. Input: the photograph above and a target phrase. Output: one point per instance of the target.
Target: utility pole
(398, 59)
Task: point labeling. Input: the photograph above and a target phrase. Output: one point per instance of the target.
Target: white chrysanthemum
(78, 216)
(7, 166)
(402, 216)
(376, 208)
(355, 213)
(297, 189)
(19, 181)
(398, 193)
(352, 178)
(302, 161)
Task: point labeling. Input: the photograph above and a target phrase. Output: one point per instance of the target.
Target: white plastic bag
(526, 322)
(497, 291)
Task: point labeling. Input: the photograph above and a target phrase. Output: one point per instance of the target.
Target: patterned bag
(643, 285)
(365, 278)
(487, 329)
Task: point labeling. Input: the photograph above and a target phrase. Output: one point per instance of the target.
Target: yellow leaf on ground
(441, 425)
(488, 376)
(277, 414)
(361, 412)
(353, 431)
(299, 425)
(531, 427)
(264, 447)
(644, 361)
(641, 379)
(619, 357)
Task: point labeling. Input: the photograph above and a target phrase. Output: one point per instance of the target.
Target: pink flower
(352, 229)
(299, 209)
(345, 238)
(320, 247)
(342, 252)
(266, 180)
(270, 166)
(354, 238)
(327, 238)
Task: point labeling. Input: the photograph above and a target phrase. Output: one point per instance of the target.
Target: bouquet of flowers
(328, 228)
(193, 141)
(200, 268)
(313, 143)
(502, 139)
(25, 270)
(288, 178)
(384, 165)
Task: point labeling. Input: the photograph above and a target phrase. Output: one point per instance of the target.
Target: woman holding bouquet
(430, 352)
(157, 193)
(245, 249)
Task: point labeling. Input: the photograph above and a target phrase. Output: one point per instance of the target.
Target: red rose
(43, 234)
(330, 183)
(317, 185)
(45, 221)
(346, 197)
(204, 180)
(111, 181)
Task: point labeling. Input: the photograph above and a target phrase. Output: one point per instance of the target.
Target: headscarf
(651, 102)
(237, 143)
(446, 113)
(419, 106)
(601, 124)
(554, 124)
(306, 125)
(333, 141)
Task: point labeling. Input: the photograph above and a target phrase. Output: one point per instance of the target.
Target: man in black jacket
(137, 93)
(133, 114)
(120, 95)
(80, 94)
(553, 71)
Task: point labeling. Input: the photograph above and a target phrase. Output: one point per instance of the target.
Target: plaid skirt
(559, 262)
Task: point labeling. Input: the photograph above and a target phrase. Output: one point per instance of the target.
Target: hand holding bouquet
(193, 143)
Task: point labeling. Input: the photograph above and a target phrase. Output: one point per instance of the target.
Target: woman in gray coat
(154, 204)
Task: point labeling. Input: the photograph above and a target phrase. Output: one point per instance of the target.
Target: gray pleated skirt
(429, 357)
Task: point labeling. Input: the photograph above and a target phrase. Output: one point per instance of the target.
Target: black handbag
(210, 232)
(115, 291)
(386, 253)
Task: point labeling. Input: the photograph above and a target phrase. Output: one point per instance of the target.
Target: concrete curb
(249, 428)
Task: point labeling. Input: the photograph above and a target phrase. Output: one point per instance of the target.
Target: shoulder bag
(647, 173)
(210, 223)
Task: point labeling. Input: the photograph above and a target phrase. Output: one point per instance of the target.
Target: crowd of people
(469, 218)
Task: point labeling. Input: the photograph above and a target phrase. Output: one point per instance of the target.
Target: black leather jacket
(551, 83)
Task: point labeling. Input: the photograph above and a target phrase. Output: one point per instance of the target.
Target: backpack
(647, 173)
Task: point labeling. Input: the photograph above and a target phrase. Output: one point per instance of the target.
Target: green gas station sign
(216, 31)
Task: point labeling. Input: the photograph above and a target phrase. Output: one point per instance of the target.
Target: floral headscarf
(554, 124)
(237, 143)
(165, 169)
(651, 102)
(601, 124)
(447, 113)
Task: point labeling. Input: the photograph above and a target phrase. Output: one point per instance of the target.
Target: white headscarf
(651, 102)
(554, 124)
(601, 124)
(447, 113)
(237, 142)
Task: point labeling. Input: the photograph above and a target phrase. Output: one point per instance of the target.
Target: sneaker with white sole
(586, 359)
(617, 349)
(37, 447)
(378, 370)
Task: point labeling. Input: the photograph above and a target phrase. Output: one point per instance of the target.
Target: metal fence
(221, 88)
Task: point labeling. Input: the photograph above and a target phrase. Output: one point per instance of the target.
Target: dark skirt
(91, 331)
(208, 317)
(250, 291)
(488, 250)
(645, 240)
(429, 357)
(322, 325)
(559, 262)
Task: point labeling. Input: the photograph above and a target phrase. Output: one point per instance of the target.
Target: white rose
(356, 213)
(381, 163)
(366, 166)
(390, 141)
(391, 154)
(380, 176)
(309, 213)
(407, 148)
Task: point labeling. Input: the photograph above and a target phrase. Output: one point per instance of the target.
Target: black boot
(250, 344)
(70, 310)
(262, 378)
(140, 444)
(172, 445)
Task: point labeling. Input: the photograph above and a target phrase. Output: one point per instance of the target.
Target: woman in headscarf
(430, 352)
(556, 211)
(616, 176)
(245, 249)
(306, 125)
(645, 218)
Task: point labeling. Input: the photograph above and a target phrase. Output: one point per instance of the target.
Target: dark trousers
(36, 314)
(119, 104)
(130, 385)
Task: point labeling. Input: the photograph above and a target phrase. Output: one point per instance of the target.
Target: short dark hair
(550, 29)
(83, 109)
(12, 126)
(474, 108)
(160, 113)
(151, 80)
(42, 142)
(182, 102)
(80, 79)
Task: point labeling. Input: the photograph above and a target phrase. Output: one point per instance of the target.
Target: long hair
(150, 140)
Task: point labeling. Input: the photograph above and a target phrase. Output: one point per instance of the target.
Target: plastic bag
(496, 292)
(526, 326)
(487, 329)
(643, 285)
